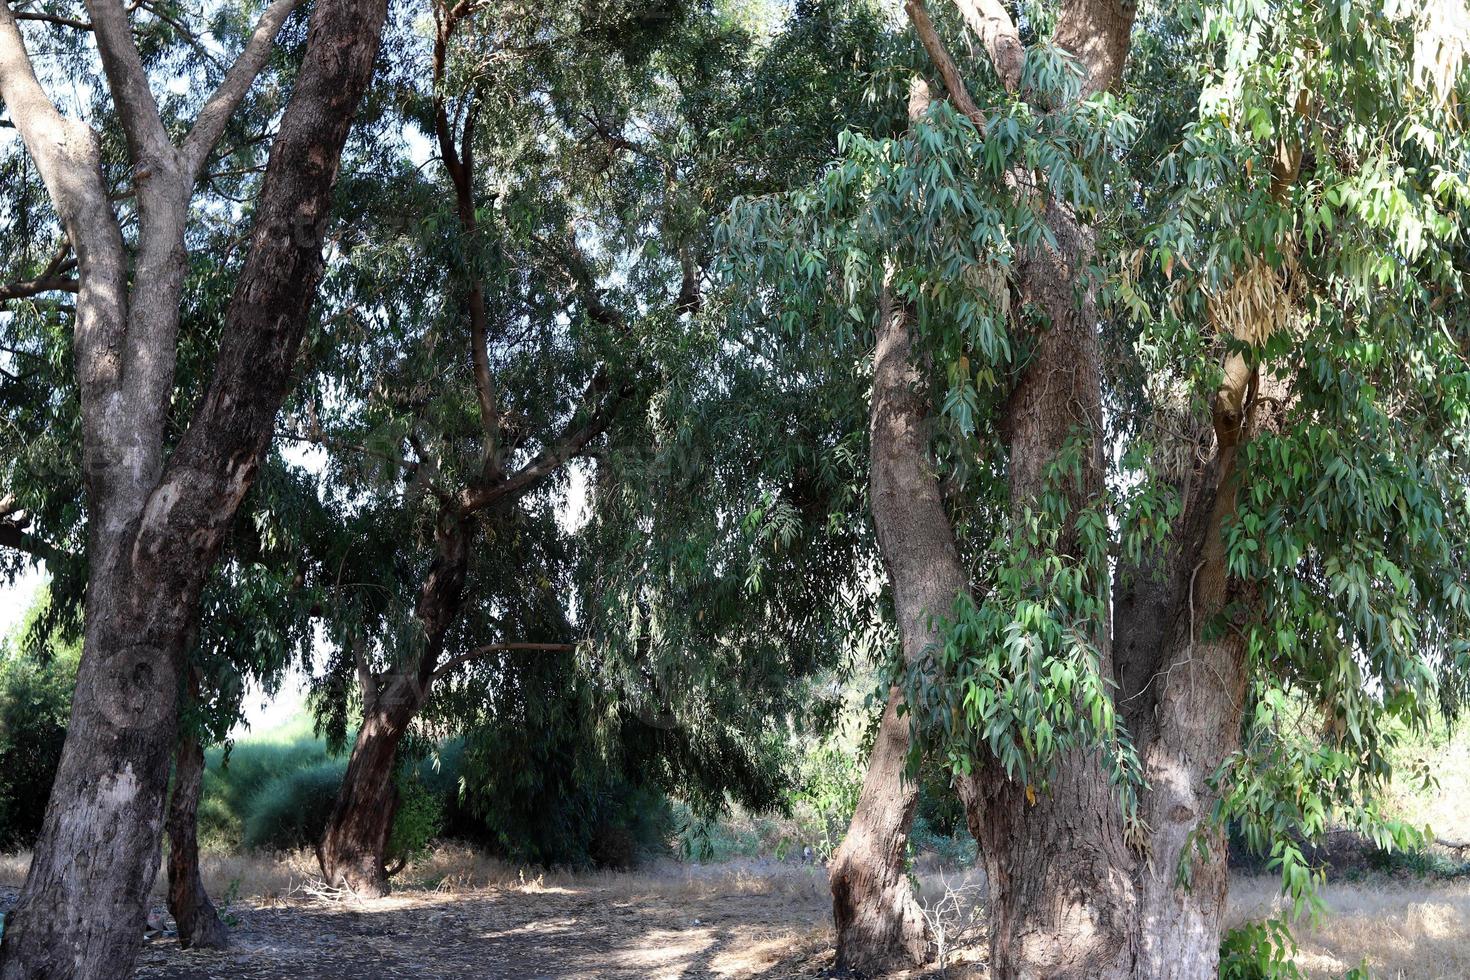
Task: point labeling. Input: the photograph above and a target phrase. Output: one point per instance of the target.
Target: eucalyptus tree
(551, 309)
(1249, 273)
(526, 111)
(156, 512)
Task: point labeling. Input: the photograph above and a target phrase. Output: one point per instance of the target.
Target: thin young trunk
(155, 528)
(878, 921)
(199, 924)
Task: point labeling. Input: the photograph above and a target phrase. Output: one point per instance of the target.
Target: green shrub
(236, 777)
(829, 781)
(1260, 950)
(278, 793)
(544, 798)
(418, 820)
(292, 810)
(35, 702)
(956, 849)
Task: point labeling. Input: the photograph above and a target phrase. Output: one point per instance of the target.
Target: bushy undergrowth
(291, 810)
(277, 792)
(35, 702)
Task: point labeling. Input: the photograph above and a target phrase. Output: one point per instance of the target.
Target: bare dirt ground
(523, 932)
(461, 916)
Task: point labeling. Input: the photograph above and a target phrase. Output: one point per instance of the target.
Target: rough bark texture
(199, 924)
(1067, 893)
(353, 849)
(155, 528)
(878, 922)
(1060, 873)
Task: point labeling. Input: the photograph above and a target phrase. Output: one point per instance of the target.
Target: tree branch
(53, 278)
(571, 444)
(953, 80)
(210, 123)
(148, 142)
(992, 25)
(454, 663)
(13, 535)
(56, 19)
(367, 681)
(65, 153)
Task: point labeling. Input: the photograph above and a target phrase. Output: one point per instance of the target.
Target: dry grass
(758, 917)
(1396, 929)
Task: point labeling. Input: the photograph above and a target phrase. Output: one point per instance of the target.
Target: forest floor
(463, 916)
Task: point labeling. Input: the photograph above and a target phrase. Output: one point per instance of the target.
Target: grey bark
(156, 524)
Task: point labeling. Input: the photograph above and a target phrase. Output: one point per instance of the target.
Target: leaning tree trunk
(353, 849)
(878, 919)
(199, 924)
(155, 529)
(879, 924)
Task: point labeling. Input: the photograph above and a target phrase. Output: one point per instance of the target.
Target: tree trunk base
(880, 925)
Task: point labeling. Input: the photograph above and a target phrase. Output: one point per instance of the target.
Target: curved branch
(53, 278)
(953, 80)
(56, 19)
(454, 663)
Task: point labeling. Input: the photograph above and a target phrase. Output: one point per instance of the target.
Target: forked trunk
(199, 924)
(353, 851)
(877, 918)
(1199, 705)
(155, 526)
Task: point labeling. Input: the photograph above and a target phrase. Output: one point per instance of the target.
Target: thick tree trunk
(106, 807)
(353, 850)
(878, 922)
(1063, 903)
(199, 924)
(1197, 703)
(1059, 871)
(155, 528)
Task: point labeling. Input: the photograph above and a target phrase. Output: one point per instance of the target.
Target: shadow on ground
(520, 933)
